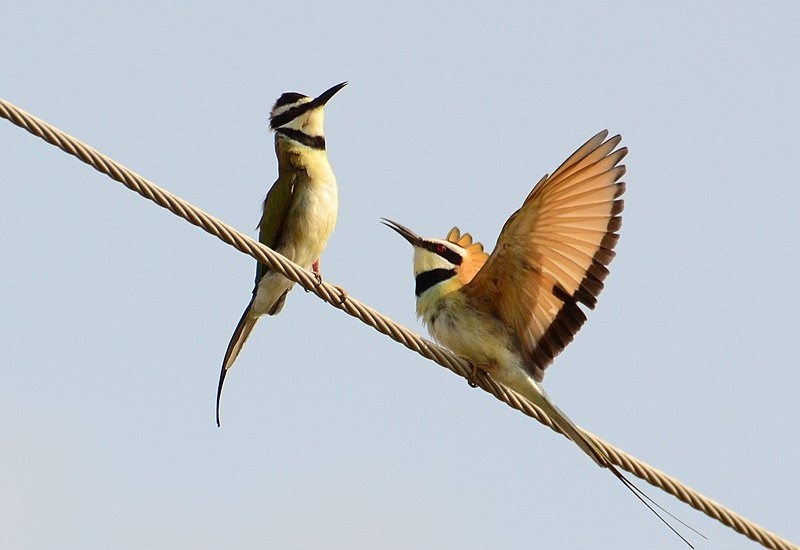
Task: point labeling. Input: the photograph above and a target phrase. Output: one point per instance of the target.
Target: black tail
(243, 330)
(652, 505)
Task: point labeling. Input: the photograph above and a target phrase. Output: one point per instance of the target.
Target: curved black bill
(325, 96)
(404, 231)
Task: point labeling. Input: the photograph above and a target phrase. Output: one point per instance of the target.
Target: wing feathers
(475, 257)
(560, 330)
(273, 216)
(589, 152)
(588, 183)
(552, 253)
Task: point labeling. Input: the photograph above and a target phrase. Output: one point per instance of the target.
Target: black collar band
(429, 278)
(315, 142)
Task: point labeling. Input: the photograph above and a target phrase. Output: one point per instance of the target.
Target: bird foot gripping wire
(317, 276)
(342, 294)
(473, 374)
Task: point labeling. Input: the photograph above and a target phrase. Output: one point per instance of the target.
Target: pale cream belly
(478, 338)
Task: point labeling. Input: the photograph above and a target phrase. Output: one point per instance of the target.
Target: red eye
(440, 248)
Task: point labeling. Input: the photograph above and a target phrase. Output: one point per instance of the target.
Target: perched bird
(510, 313)
(299, 211)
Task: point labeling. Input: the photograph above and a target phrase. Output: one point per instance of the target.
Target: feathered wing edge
(552, 253)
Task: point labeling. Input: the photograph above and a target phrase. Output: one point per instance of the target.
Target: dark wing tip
(559, 333)
(571, 317)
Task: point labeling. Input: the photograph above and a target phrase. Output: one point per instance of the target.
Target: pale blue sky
(115, 314)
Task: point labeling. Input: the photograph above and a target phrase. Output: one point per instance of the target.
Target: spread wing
(552, 253)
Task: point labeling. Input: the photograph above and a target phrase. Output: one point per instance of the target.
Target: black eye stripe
(445, 252)
(290, 115)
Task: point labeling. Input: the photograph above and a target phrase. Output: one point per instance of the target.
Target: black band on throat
(429, 278)
(315, 142)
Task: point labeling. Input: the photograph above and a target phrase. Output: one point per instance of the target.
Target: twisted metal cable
(375, 319)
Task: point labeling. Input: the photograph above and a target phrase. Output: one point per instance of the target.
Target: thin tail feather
(240, 335)
(647, 501)
(571, 430)
(601, 458)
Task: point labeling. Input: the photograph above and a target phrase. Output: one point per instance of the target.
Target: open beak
(404, 231)
(325, 96)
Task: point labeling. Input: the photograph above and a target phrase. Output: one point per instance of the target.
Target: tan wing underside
(552, 252)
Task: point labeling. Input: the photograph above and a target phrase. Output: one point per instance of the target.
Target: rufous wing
(552, 253)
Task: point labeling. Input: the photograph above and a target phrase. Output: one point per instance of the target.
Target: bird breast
(311, 220)
(475, 336)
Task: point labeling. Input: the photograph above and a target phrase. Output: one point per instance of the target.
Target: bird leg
(317, 273)
(475, 368)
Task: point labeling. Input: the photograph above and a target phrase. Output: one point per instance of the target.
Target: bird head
(443, 265)
(300, 113)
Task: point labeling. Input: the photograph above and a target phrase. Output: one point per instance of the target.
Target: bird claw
(318, 282)
(317, 279)
(473, 374)
(316, 271)
(342, 294)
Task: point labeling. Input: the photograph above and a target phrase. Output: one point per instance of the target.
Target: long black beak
(325, 96)
(404, 231)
